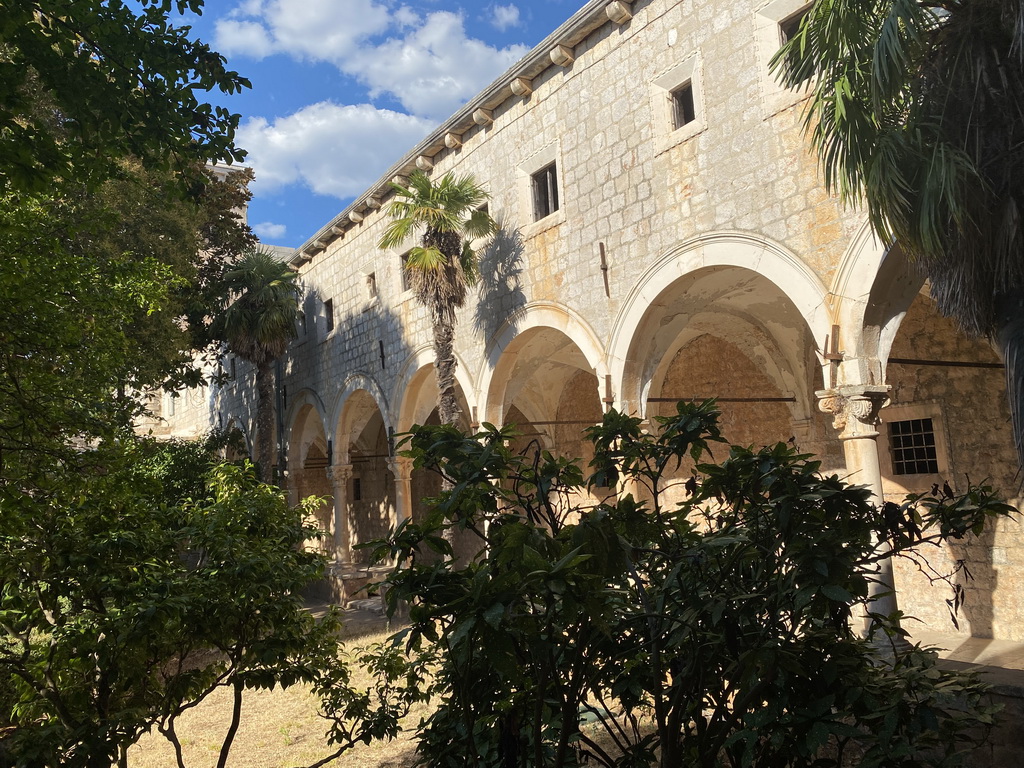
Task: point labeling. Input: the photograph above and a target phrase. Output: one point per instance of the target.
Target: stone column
(339, 475)
(854, 409)
(401, 468)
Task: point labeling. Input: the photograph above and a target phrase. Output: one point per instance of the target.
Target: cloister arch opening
(545, 385)
(368, 505)
(727, 332)
(308, 461)
(419, 406)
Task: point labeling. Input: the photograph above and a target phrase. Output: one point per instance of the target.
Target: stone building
(665, 234)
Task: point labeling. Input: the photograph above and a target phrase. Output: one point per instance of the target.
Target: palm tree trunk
(443, 318)
(265, 420)
(1010, 338)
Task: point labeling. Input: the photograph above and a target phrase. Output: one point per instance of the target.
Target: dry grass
(279, 729)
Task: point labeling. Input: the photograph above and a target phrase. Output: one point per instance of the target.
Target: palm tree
(257, 326)
(441, 269)
(917, 108)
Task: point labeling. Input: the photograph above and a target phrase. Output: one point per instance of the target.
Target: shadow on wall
(501, 294)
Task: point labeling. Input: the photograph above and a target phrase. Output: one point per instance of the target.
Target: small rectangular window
(234, 368)
(790, 26)
(357, 489)
(371, 285)
(545, 192)
(683, 109)
(329, 314)
(912, 444)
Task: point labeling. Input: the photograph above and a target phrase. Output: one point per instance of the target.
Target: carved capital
(854, 408)
(339, 473)
(401, 467)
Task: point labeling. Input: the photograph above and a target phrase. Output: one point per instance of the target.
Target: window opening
(545, 192)
(790, 26)
(357, 489)
(329, 314)
(683, 108)
(371, 285)
(912, 444)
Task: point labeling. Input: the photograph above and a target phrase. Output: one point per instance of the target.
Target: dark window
(545, 192)
(683, 110)
(357, 489)
(329, 314)
(790, 26)
(234, 368)
(912, 444)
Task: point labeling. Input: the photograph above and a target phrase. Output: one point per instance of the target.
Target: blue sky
(343, 88)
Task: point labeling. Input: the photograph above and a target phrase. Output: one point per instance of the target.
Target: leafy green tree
(89, 280)
(173, 575)
(121, 609)
(441, 269)
(86, 82)
(717, 632)
(917, 108)
(257, 325)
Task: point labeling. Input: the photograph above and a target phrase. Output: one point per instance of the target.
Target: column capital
(854, 408)
(339, 473)
(401, 467)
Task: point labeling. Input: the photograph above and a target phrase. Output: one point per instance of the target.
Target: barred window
(912, 444)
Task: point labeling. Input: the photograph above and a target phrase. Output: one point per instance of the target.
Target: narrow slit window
(545, 192)
(684, 110)
(357, 489)
(329, 314)
(912, 444)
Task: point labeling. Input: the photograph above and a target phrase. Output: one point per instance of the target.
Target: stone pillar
(854, 409)
(339, 475)
(401, 468)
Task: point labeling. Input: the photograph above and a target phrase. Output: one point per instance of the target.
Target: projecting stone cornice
(516, 81)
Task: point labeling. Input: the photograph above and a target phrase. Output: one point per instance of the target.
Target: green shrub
(718, 631)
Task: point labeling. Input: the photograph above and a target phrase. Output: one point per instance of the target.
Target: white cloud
(505, 16)
(435, 69)
(268, 230)
(428, 64)
(311, 30)
(247, 38)
(332, 149)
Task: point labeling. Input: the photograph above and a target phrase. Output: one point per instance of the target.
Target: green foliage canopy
(85, 82)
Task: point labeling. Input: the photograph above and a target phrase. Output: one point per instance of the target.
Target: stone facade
(692, 261)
